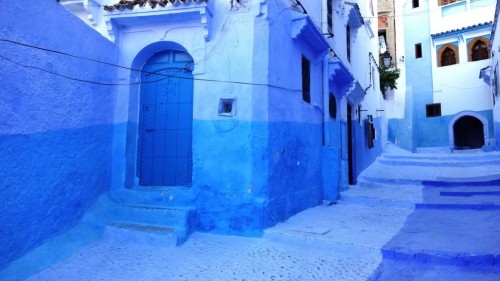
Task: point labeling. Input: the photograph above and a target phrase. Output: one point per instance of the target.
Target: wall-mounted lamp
(387, 58)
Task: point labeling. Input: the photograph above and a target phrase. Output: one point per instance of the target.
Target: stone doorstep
(443, 258)
(122, 233)
(136, 220)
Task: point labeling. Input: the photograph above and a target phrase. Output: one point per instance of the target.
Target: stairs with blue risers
(450, 159)
(454, 225)
(414, 168)
(161, 222)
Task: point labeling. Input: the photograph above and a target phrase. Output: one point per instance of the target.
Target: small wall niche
(227, 107)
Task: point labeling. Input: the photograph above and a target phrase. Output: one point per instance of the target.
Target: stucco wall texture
(55, 131)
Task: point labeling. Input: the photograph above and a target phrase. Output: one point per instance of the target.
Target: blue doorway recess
(166, 117)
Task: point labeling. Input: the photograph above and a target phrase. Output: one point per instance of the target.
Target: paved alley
(410, 217)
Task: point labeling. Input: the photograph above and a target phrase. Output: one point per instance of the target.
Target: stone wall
(56, 113)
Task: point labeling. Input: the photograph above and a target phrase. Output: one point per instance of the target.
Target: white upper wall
(395, 105)
(495, 65)
(459, 14)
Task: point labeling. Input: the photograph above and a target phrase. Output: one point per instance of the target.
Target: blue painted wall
(363, 155)
(252, 174)
(228, 200)
(409, 131)
(295, 127)
(55, 133)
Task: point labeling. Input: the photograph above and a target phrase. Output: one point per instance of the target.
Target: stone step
(391, 195)
(438, 162)
(161, 197)
(107, 212)
(430, 257)
(368, 180)
(451, 155)
(128, 233)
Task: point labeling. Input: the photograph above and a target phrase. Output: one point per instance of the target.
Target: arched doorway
(468, 133)
(165, 120)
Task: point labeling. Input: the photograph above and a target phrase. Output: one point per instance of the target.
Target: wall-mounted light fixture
(387, 59)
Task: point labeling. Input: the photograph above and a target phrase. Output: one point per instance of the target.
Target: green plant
(388, 77)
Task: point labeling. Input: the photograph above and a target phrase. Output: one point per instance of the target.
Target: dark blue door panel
(166, 116)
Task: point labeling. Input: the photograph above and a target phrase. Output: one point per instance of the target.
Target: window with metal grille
(479, 51)
(418, 51)
(433, 110)
(306, 80)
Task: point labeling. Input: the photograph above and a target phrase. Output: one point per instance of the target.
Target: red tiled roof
(130, 4)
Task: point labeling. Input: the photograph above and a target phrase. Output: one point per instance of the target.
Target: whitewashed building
(447, 105)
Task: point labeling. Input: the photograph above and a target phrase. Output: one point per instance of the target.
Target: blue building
(215, 116)
(447, 105)
(491, 74)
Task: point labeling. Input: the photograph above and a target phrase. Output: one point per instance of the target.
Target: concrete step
(145, 218)
(128, 233)
(432, 257)
(390, 195)
(386, 180)
(161, 197)
(438, 162)
(445, 156)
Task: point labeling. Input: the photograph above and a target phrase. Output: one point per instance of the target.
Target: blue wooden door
(166, 116)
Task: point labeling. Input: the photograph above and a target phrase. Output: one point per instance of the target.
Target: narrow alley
(428, 216)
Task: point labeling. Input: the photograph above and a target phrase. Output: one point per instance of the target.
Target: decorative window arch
(477, 49)
(447, 55)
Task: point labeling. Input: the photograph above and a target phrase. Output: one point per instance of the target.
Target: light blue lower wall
(364, 156)
(56, 132)
(229, 199)
(295, 179)
(48, 180)
(252, 175)
(497, 135)
(430, 132)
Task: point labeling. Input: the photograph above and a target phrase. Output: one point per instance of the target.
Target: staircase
(454, 224)
(162, 217)
(399, 167)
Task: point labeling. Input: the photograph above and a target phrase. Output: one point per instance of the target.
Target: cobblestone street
(379, 230)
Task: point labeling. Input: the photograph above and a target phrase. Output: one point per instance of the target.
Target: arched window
(448, 57)
(447, 54)
(479, 51)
